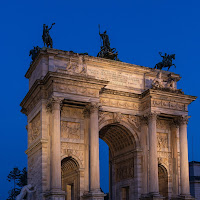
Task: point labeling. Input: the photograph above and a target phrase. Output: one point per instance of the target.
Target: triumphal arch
(73, 100)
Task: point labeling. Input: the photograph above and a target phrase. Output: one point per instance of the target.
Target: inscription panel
(116, 77)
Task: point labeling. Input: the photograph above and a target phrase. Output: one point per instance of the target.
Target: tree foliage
(19, 178)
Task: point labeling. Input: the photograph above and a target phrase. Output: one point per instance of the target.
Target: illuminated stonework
(74, 100)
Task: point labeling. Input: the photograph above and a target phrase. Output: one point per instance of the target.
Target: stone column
(94, 148)
(56, 192)
(184, 176)
(95, 192)
(153, 158)
(174, 147)
(144, 146)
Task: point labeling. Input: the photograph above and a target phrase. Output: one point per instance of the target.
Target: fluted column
(55, 147)
(153, 158)
(185, 187)
(144, 145)
(94, 148)
(174, 133)
(55, 193)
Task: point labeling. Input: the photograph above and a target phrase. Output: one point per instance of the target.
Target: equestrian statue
(166, 62)
(46, 36)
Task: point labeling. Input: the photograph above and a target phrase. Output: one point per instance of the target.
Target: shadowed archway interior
(163, 181)
(121, 159)
(70, 178)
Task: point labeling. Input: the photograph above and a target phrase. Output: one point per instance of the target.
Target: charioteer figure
(106, 50)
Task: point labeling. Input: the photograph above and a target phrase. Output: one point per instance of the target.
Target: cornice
(119, 93)
(167, 95)
(58, 77)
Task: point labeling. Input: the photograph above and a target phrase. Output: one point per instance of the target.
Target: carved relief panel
(72, 124)
(34, 128)
(70, 130)
(124, 169)
(162, 141)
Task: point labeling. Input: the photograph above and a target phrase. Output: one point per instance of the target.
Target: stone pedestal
(152, 196)
(94, 196)
(55, 195)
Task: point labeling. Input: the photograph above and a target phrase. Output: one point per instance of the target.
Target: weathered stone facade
(74, 100)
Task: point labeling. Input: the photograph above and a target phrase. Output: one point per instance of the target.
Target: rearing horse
(167, 63)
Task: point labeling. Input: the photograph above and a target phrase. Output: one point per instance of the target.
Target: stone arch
(163, 180)
(125, 124)
(73, 156)
(70, 171)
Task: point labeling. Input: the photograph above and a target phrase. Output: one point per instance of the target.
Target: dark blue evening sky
(138, 29)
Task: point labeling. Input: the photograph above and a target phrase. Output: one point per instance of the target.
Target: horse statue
(166, 62)
(46, 36)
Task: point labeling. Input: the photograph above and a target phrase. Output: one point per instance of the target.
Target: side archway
(163, 180)
(70, 171)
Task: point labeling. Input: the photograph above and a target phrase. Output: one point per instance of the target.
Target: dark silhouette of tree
(19, 178)
(23, 178)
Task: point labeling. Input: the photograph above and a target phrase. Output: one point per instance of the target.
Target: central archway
(121, 145)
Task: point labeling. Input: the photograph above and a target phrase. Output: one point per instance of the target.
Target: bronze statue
(166, 62)
(105, 38)
(46, 36)
(106, 51)
(34, 52)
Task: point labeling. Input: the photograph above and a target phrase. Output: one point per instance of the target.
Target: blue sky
(137, 29)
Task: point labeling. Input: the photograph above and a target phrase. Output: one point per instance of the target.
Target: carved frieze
(169, 105)
(70, 130)
(120, 103)
(124, 169)
(73, 89)
(34, 128)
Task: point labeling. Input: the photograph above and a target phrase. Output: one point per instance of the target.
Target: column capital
(94, 106)
(152, 116)
(144, 120)
(182, 120)
(54, 103)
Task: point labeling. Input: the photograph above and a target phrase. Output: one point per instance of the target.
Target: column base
(184, 196)
(55, 195)
(152, 196)
(94, 195)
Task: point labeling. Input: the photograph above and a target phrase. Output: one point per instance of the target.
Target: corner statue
(27, 189)
(166, 62)
(34, 52)
(46, 36)
(106, 51)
